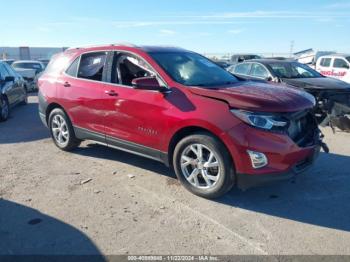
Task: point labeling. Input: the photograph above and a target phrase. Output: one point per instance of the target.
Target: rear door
(80, 89)
(324, 66)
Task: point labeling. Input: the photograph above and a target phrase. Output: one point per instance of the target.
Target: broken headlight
(262, 120)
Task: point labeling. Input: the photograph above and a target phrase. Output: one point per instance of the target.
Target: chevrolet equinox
(178, 107)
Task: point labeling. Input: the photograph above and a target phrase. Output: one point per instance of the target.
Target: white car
(336, 66)
(30, 71)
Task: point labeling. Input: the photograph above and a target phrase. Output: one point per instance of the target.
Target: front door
(135, 119)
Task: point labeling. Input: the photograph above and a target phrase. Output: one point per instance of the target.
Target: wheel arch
(190, 130)
(51, 107)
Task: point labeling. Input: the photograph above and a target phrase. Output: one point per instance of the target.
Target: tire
(216, 175)
(62, 131)
(4, 108)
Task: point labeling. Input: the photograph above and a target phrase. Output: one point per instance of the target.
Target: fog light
(258, 159)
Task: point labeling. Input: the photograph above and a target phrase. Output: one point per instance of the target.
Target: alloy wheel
(200, 166)
(60, 130)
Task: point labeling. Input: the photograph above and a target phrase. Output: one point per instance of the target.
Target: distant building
(28, 53)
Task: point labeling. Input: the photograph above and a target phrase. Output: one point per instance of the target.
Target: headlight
(260, 120)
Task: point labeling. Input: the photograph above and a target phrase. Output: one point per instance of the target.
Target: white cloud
(338, 5)
(43, 29)
(167, 32)
(266, 14)
(235, 31)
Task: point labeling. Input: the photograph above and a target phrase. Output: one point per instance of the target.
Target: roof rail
(91, 46)
(125, 44)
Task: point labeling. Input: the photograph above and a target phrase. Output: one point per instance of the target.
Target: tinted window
(192, 69)
(348, 58)
(259, 71)
(73, 68)
(340, 63)
(242, 69)
(35, 66)
(91, 66)
(326, 62)
(293, 70)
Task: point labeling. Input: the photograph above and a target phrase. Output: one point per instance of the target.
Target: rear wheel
(203, 165)
(62, 131)
(4, 108)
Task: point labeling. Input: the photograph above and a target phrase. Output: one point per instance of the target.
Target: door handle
(111, 93)
(66, 84)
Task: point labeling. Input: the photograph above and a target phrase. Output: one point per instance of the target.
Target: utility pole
(291, 48)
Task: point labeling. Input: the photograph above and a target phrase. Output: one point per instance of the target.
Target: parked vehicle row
(12, 90)
(178, 107)
(332, 95)
(30, 70)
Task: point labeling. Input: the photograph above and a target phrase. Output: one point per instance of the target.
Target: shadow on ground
(319, 197)
(26, 231)
(104, 152)
(24, 125)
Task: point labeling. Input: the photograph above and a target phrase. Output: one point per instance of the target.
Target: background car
(332, 95)
(238, 58)
(335, 66)
(12, 90)
(30, 70)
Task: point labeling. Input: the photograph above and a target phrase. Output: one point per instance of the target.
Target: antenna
(291, 48)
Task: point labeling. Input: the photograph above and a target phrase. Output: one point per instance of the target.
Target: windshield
(293, 70)
(348, 58)
(192, 69)
(35, 66)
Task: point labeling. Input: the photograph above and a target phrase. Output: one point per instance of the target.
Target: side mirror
(9, 79)
(147, 83)
(269, 78)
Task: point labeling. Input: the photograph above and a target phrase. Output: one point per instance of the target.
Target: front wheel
(62, 131)
(203, 165)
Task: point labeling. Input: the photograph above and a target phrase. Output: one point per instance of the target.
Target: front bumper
(245, 181)
(285, 157)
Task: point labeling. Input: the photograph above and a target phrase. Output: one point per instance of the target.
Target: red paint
(151, 118)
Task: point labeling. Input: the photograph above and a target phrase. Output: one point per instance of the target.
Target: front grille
(302, 128)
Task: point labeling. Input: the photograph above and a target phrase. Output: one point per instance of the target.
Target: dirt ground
(97, 200)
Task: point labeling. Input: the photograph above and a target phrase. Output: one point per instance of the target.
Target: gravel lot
(134, 205)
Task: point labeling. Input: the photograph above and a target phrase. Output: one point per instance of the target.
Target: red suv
(178, 107)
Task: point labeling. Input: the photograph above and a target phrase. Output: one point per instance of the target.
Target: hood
(320, 83)
(260, 97)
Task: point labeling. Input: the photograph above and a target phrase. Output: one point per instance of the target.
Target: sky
(207, 26)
